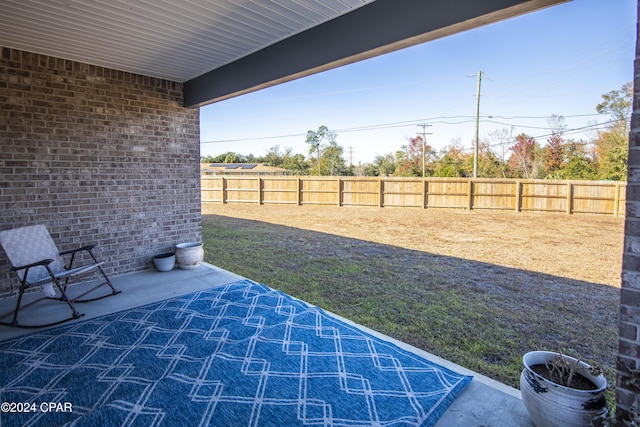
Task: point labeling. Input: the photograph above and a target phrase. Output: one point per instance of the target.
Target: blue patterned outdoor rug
(238, 355)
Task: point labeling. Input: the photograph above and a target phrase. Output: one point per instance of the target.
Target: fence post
(339, 192)
(616, 200)
(518, 196)
(299, 191)
(380, 193)
(470, 195)
(425, 194)
(223, 188)
(260, 193)
(569, 198)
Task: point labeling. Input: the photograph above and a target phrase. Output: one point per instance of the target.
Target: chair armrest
(44, 262)
(73, 251)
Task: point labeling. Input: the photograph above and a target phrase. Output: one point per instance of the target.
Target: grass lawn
(477, 288)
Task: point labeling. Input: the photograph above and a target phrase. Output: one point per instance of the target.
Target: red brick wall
(628, 379)
(97, 155)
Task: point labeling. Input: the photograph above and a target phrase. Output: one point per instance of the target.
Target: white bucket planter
(165, 262)
(553, 405)
(189, 255)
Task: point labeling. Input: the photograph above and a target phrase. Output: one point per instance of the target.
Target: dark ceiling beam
(374, 29)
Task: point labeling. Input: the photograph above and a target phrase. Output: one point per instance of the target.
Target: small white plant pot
(189, 255)
(553, 405)
(165, 262)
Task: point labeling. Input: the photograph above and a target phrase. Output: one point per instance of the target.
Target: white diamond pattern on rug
(237, 355)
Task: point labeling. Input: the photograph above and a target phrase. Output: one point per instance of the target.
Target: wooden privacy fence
(593, 197)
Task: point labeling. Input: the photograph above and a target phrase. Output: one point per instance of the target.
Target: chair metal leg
(23, 286)
(14, 320)
(107, 282)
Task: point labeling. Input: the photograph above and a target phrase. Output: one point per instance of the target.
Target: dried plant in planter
(567, 373)
(559, 390)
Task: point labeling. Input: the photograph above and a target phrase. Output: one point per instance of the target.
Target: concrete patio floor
(484, 402)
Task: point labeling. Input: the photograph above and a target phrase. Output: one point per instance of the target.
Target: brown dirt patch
(581, 247)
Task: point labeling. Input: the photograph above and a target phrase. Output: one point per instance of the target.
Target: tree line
(501, 155)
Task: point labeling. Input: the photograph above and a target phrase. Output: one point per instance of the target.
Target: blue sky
(558, 60)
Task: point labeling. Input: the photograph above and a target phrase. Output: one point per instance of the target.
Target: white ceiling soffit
(171, 39)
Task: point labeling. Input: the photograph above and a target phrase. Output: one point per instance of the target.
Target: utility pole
(424, 143)
(476, 143)
(351, 155)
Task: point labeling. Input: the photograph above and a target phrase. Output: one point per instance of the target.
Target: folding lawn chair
(36, 260)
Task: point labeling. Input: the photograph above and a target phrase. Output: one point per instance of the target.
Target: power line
(490, 116)
(596, 126)
(520, 126)
(408, 123)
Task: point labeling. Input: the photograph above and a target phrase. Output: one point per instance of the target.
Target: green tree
(383, 165)
(500, 140)
(370, 169)
(618, 103)
(231, 158)
(296, 163)
(612, 148)
(228, 157)
(489, 165)
(578, 163)
(331, 162)
(455, 162)
(274, 157)
(612, 144)
(314, 139)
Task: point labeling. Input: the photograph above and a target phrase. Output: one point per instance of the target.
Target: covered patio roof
(224, 48)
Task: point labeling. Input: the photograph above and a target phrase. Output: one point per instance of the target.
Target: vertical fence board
(495, 195)
(211, 189)
(620, 199)
(280, 191)
(403, 193)
(242, 190)
(450, 193)
(593, 198)
(319, 191)
(544, 196)
(616, 202)
(361, 192)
